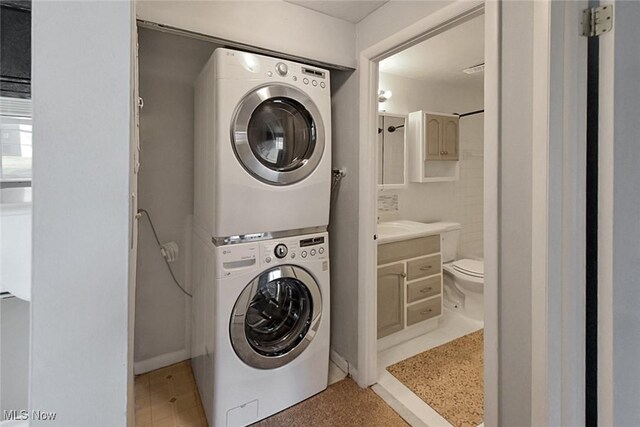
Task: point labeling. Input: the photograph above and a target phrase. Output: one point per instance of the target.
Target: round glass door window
(276, 317)
(278, 134)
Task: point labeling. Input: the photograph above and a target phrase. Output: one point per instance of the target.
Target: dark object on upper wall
(15, 48)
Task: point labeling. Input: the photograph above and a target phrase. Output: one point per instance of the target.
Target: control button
(321, 251)
(313, 252)
(282, 68)
(295, 79)
(322, 85)
(269, 73)
(305, 81)
(267, 259)
(314, 82)
(304, 254)
(293, 255)
(281, 251)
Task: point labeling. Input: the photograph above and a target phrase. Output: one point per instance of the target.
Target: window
(15, 141)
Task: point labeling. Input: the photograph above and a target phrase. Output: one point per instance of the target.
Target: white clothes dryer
(261, 325)
(262, 145)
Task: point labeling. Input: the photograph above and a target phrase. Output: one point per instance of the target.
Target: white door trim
(558, 215)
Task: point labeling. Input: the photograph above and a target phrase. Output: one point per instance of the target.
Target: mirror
(391, 150)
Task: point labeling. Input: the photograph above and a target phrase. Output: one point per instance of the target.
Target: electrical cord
(144, 211)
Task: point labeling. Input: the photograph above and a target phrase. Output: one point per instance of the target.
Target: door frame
(556, 377)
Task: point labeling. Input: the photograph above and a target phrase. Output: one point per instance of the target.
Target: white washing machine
(262, 145)
(261, 325)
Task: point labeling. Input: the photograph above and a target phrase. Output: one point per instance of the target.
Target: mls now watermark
(23, 415)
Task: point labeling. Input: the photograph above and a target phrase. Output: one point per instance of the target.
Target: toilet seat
(470, 267)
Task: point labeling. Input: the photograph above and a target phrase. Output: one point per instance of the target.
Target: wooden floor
(169, 397)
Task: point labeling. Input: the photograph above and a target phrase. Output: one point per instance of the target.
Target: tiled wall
(388, 203)
(470, 186)
(458, 201)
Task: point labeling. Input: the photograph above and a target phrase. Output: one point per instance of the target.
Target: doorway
(430, 207)
(372, 62)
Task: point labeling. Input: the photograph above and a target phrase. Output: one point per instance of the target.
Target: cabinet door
(390, 299)
(450, 138)
(433, 136)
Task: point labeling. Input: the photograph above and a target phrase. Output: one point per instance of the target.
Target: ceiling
(442, 57)
(349, 10)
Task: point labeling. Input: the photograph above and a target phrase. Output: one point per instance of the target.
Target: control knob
(281, 251)
(282, 69)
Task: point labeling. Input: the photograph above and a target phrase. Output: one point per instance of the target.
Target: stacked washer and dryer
(260, 248)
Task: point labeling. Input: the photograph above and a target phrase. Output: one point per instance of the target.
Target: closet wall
(168, 66)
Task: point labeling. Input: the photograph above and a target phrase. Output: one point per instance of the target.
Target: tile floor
(168, 397)
(396, 394)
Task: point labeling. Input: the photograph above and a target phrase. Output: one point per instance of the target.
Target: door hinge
(597, 20)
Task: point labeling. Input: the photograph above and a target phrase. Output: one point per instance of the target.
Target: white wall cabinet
(434, 141)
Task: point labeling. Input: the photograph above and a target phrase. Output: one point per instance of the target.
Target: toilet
(463, 279)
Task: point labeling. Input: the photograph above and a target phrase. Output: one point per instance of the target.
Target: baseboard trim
(339, 361)
(148, 365)
(342, 363)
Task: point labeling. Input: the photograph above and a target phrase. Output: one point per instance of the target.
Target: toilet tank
(449, 241)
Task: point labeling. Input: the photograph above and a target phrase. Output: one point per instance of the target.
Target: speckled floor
(168, 397)
(448, 378)
(342, 404)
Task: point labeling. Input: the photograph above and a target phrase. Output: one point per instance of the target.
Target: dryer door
(278, 134)
(276, 317)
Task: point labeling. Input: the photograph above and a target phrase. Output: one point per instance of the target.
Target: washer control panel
(282, 70)
(294, 249)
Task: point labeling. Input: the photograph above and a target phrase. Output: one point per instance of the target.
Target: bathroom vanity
(409, 279)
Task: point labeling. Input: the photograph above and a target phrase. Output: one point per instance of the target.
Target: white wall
(619, 228)
(394, 17)
(516, 146)
(272, 24)
(14, 360)
(168, 66)
(82, 97)
(460, 201)
(344, 217)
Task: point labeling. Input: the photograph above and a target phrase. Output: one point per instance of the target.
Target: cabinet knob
(442, 153)
(425, 290)
(425, 268)
(425, 312)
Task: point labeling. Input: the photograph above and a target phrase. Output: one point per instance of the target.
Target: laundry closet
(260, 224)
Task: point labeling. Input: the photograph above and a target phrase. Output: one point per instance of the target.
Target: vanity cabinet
(390, 299)
(433, 146)
(409, 283)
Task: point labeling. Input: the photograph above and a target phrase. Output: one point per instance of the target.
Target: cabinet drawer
(396, 251)
(424, 288)
(424, 311)
(422, 267)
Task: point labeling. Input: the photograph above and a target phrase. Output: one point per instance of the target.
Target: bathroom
(430, 293)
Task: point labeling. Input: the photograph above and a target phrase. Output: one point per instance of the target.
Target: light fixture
(475, 69)
(384, 95)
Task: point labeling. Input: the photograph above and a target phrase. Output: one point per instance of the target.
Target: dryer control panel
(294, 249)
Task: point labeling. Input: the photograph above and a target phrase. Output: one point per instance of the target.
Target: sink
(394, 231)
(393, 227)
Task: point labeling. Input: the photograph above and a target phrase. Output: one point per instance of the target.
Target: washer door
(276, 317)
(278, 134)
